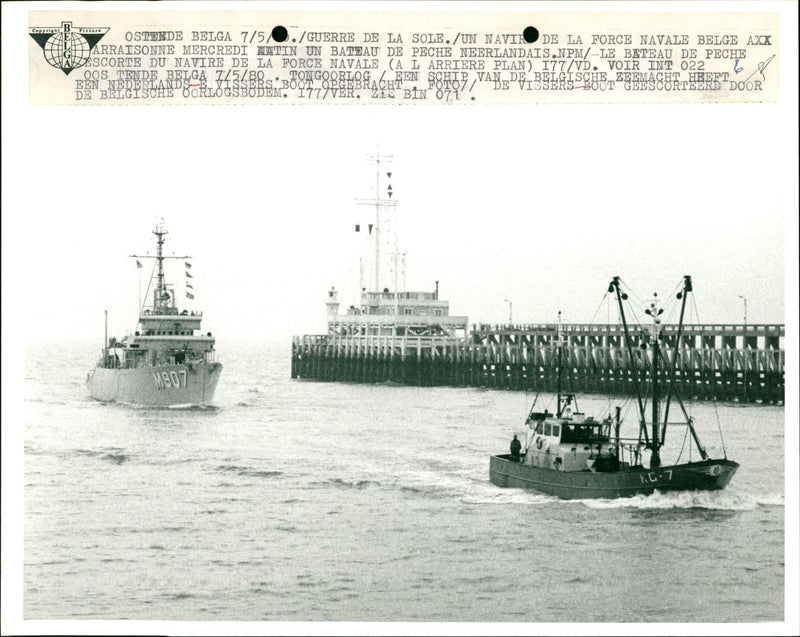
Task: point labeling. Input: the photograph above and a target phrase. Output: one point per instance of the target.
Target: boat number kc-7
(166, 380)
(651, 477)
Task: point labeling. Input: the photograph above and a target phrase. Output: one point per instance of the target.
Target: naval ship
(168, 361)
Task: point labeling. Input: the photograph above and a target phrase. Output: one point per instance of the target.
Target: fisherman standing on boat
(516, 447)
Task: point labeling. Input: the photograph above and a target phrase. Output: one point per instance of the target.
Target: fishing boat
(168, 361)
(574, 456)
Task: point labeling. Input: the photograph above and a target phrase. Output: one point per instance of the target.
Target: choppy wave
(352, 484)
(115, 458)
(249, 471)
(112, 455)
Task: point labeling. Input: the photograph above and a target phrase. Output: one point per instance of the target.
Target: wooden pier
(723, 362)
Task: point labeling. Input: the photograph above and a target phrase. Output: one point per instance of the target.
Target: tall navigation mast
(161, 295)
(655, 335)
(380, 203)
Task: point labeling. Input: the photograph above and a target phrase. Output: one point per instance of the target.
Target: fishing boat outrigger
(571, 455)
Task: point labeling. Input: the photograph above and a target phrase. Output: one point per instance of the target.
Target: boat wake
(509, 496)
(709, 500)
(193, 407)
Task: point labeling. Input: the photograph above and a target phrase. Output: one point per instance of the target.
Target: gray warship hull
(159, 386)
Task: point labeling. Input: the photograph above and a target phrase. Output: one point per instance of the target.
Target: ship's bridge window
(547, 429)
(556, 430)
(539, 428)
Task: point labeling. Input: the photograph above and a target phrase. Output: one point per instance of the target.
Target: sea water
(310, 501)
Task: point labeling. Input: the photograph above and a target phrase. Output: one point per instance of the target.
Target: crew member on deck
(516, 447)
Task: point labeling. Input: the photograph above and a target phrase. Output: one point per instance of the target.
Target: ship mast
(658, 433)
(559, 408)
(377, 159)
(682, 296)
(654, 311)
(160, 293)
(687, 287)
(614, 287)
(375, 229)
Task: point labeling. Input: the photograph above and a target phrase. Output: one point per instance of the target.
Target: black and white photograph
(458, 367)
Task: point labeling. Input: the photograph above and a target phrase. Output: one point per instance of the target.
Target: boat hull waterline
(161, 386)
(704, 475)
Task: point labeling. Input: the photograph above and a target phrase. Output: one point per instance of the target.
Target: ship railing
(403, 320)
(109, 361)
(152, 313)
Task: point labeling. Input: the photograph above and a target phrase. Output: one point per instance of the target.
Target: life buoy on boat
(539, 443)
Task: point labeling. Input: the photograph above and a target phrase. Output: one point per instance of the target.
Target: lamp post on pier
(744, 350)
(744, 298)
(510, 319)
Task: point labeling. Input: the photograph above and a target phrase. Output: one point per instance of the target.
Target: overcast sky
(540, 205)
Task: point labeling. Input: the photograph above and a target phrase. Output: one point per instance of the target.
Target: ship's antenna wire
(630, 292)
(683, 445)
(716, 412)
(696, 313)
(147, 291)
(631, 306)
(606, 298)
(599, 306)
(719, 428)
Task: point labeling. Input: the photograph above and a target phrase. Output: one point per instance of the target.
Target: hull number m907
(167, 380)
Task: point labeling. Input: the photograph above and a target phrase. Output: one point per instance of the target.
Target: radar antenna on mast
(162, 298)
